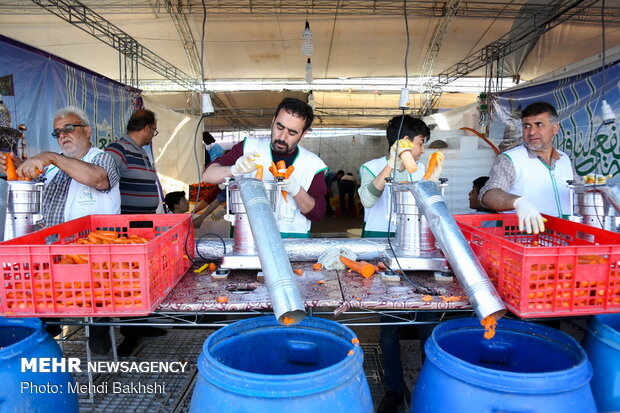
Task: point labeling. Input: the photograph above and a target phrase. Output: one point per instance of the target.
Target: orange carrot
(432, 164)
(107, 234)
(11, 174)
(222, 299)
(298, 271)
(273, 169)
(212, 266)
(317, 266)
(289, 171)
(365, 269)
(281, 165)
(259, 172)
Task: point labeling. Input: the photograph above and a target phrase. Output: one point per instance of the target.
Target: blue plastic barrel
(256, 365)
(602, 344)
(28, 391)
(526, 367)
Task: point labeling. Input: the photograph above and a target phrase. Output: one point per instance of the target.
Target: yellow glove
(396, 150)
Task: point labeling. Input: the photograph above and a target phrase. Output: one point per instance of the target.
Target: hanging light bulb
(308, 76)
(307, 48)
(608, 114)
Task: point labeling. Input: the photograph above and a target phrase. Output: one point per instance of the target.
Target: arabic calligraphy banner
(592, 146)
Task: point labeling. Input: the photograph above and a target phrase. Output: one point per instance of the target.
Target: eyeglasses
(155, 131)
(66, 129)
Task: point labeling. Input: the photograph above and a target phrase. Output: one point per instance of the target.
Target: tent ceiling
(260, 40)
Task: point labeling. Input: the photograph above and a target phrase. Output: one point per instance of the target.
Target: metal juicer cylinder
(598, 205)
(23, 214)
(483, 297)
(413, 234)
(285, 296)
(244, 241)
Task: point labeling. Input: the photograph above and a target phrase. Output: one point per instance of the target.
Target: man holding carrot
(531, 178)
(303, 194)
(81, 180)
(404, 134)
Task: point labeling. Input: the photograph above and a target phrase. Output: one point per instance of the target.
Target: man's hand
(291, 186)
(244, 164)
(394, 152)
(32, 167)
(529, 217)
(16, 161)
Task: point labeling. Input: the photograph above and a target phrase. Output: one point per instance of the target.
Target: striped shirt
(138, 184)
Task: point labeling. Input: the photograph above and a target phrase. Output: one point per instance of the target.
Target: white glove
(529, 217)
(291, 186)
(244, 164)
(394, 154)
(330, 259)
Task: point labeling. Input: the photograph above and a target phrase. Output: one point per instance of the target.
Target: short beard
(278, 151)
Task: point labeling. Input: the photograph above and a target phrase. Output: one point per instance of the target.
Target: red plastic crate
(124, 279)
(570, 269)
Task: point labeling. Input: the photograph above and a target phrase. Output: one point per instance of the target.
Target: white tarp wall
(177, 151)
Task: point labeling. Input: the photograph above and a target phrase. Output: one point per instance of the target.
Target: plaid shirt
(503, 173)
(55, 192)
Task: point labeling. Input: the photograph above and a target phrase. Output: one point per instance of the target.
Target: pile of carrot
(275, 171)
(110, 237)
(100, 237)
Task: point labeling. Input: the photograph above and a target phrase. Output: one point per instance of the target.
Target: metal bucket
(593, 206)
(23, 214)
(243, 239)
(413, 234)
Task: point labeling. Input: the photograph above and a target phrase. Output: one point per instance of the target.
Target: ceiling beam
(423, 8)
(82, 17)
(530, 29)
(428, 66)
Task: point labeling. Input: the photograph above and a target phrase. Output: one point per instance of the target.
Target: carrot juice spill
(489, 323)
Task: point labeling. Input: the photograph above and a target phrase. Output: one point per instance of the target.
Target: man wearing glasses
(81, 180)
(139, 189)
(138, 178)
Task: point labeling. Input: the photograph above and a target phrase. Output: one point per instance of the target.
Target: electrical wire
(406, 48)
(202, 46)
(198, 124)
